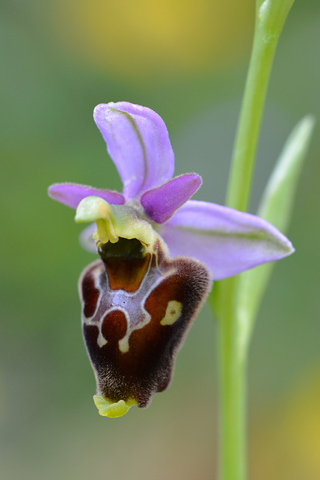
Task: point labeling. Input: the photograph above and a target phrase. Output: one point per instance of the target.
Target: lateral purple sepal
(71, 194)
(138, 143)
(160, 203)
(227, 240)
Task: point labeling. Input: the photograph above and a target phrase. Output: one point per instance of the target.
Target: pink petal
(160, 203)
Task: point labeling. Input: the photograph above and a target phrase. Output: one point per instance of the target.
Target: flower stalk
(232, 344)
(270, 18)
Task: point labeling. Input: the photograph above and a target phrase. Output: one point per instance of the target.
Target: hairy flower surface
(159, 252)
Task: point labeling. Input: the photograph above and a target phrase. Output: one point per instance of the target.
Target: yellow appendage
(112, 410)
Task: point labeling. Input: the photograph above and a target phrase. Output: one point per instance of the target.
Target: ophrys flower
(159, 252)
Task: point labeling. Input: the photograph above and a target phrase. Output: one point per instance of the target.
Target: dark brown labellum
(136, 309)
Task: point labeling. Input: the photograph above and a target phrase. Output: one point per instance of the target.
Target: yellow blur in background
(187, 61)
(286, 442)
(147, 39)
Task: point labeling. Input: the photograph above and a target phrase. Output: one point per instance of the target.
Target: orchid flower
(159, 252)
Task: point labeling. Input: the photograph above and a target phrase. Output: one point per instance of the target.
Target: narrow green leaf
(278, 198)
(276, 207)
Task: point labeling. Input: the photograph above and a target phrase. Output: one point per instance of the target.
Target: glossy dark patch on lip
(125, 262)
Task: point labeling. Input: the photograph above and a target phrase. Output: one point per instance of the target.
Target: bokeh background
(187, 60)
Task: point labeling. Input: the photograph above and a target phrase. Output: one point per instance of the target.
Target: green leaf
(272, 14)
(276, 207)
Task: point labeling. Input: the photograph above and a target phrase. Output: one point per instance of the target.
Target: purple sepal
(226, 240)
(160, 203)
(138, 143)
(71, 194)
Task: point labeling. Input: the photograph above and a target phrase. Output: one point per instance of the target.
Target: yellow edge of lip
(110, 409)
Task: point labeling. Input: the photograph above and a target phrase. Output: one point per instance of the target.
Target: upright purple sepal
(71, 194)
(138, 143)
(160, 203)
(226, 240)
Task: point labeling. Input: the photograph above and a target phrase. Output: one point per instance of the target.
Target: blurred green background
(186, 60)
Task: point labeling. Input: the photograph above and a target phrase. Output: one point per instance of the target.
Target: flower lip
(136, 310)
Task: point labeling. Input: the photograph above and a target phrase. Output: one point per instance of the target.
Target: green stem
(232, 376)
(233, 351)
(270, 17)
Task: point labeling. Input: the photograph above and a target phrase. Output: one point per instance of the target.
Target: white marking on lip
(101, 341)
